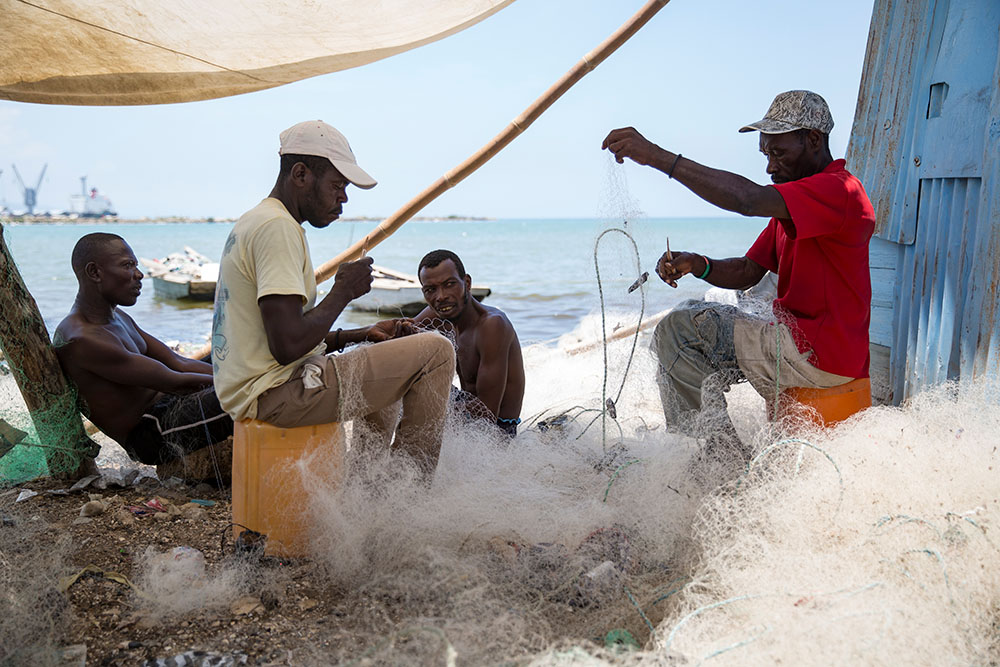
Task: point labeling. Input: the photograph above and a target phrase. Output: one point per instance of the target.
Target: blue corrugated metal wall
(926, 143)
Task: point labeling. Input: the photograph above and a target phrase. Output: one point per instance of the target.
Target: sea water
(541, 272)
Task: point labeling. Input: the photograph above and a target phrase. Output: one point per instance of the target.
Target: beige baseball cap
(314, 137)
(794, 110)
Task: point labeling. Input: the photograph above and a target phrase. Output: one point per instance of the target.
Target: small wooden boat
(394, 293)
(187, 276)
(191, 276)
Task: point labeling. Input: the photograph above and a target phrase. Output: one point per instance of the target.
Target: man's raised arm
(724, 189)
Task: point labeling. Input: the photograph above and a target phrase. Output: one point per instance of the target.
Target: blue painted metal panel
(883, 258)
(926, 145)
(980, 346)
(934, 282)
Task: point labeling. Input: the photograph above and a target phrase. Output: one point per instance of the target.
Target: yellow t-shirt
(266, 253)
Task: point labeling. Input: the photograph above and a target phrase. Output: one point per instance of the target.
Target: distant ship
(90, 204)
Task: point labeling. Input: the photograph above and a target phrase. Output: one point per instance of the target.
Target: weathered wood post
(51, 400)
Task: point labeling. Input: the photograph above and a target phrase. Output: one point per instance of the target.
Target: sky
(688, 80)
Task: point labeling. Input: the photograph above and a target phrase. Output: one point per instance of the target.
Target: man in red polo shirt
(817, 243)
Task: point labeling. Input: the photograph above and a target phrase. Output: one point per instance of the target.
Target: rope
(652, 630)
(673, 591)
(604, 332)
(803, 443)
(614, 476)
(739, 644)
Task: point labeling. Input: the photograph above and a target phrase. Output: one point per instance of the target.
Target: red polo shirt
(824, 284)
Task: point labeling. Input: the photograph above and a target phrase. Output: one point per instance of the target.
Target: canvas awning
(108, 52)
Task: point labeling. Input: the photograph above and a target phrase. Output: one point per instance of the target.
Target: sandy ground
(96, 607)
(290, 619)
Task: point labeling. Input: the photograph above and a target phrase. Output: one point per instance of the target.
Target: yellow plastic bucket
(268, 496)
(825, 407)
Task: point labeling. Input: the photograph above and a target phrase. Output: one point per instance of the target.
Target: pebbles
(248, 604)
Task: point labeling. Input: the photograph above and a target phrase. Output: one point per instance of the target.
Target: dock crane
(30, 194)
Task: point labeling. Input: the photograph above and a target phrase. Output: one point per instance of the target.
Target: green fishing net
(41, 432)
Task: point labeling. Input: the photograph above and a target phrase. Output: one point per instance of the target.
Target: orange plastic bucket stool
(267, 487)
(825, 407)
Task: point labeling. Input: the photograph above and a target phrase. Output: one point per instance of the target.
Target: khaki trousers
(369, 382)
(705, 347)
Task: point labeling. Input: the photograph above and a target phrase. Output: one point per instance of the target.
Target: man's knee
(437, 349)
(672, 332)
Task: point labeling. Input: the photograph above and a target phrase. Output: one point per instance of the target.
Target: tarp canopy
(109, 52)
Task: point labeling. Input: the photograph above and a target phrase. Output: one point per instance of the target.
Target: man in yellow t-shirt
(270, 337)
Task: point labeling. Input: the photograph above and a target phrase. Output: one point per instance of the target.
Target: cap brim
(355, 174)
(769, 126)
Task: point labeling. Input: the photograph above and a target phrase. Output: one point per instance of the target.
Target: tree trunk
(51, 399)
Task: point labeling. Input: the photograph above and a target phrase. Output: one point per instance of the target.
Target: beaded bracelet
(708, 268)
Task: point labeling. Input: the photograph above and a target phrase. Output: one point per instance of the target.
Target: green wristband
(708, 268)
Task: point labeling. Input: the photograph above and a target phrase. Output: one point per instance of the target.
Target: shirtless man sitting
(488, 353)
(153, 402)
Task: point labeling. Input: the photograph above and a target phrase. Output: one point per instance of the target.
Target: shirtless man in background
(153, 402)
(488, 354)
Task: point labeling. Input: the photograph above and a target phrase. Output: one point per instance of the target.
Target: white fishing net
(597, 536)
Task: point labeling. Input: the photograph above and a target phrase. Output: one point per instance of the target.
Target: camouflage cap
(794, 110)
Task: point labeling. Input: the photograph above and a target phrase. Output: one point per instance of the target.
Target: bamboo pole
(388, 226)
(589, 62)
(618, 335)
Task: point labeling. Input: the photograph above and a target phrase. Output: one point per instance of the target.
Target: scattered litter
(203, 503)
(110, 477)
(58, 492)
(602, 581)
(140, 511)
(84, 483)
(174, 483)
(24, 495)
(155, 504)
